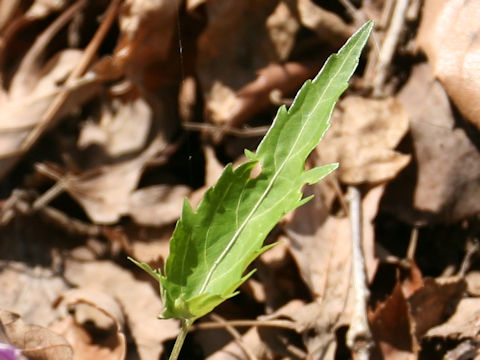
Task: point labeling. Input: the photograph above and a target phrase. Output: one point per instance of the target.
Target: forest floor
(113, 112)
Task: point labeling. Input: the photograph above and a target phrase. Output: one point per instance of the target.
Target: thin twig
(77, 72)
(69, 224)
(471, 248)
(282, 324)
(389, 45)
(412, 246)
(359, 336)
(235, 334)
(246, 132)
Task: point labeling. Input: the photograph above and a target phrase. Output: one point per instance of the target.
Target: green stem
(180, 339)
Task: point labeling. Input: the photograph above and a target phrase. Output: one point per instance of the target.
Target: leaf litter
(122, 157)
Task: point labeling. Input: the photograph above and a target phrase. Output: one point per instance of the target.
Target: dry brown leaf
(447, 179)
(42, 8)
(146, 33)
(322, 249)
(473, 282)
(36, 342)
(449, 35)
(123, 127)
(213, 170)
(256, 95)
(269, 343)
(400, 322)
(92, 312)
(282, 26)
(105, 193)
(157, 205)
(434, 302)
(251, 340)
(30, 292)
(326, 24)
(362, 139)
(230, 53)
(150, 245)
(138, 299)
(33, 88)
(462, 324)
(8, 8)
(191, 5)
(391, 328)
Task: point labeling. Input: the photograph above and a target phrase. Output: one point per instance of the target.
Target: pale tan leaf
(362, 138)
(449, 35)
(105, 194)
(282, 26)
(462, 324)
(122, 128)
(157, 205)
(30, 292)
(42, 8)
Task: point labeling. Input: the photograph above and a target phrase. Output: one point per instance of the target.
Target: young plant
(211, 247)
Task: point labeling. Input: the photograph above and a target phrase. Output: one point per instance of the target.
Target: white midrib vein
(270, 185)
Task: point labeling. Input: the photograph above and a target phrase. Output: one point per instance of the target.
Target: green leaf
(211, 247)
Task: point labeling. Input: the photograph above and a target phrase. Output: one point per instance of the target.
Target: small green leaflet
(211, 247)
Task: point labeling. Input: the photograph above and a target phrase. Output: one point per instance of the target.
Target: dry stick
(81, 67)
(251, 132)
(235, 334)
(389, 45)
(282, 324)
(472, 247)
(412, 246)
(359, 336)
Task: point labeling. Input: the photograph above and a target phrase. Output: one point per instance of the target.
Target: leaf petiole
(186, 324)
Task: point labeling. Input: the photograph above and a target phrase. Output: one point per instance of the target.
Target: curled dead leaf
(449, 34)
(446, 176)
(35, 341)
(137, 298)
(327, 25)
(92, 312)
